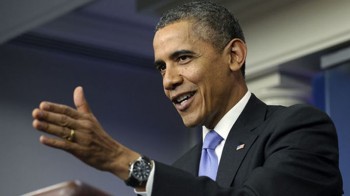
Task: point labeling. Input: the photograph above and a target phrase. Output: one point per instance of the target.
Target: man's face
(196, 77)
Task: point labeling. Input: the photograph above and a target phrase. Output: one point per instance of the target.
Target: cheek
(212, 88)
(193, 74)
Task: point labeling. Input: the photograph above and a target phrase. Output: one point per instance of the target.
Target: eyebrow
(174, 55)
(178, 53)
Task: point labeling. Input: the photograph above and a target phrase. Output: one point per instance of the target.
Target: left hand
(79, 133)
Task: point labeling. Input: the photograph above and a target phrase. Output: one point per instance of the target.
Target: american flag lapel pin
(240, 147)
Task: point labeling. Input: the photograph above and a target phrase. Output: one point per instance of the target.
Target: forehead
(173, 37)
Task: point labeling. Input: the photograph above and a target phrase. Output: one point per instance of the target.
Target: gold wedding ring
(71, 135)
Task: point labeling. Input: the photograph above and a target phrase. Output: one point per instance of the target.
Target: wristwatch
(139, 171)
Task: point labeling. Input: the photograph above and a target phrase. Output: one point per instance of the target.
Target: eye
(160, 66)
(184, 59)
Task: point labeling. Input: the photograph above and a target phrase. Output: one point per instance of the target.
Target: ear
(237, 51)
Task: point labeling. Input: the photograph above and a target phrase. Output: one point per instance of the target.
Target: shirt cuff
(149, 184)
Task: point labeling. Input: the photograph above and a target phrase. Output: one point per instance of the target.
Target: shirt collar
(225, 124)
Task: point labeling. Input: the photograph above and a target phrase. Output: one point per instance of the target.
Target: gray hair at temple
(212, 22)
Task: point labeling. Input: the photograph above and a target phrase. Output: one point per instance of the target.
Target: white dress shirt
(222, 128)
(225, 124)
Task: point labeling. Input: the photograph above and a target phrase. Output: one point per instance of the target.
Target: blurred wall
(338, 106)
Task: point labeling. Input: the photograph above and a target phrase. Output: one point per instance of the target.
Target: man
(200, 52)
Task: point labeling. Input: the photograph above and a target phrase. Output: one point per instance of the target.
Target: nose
(172, 78)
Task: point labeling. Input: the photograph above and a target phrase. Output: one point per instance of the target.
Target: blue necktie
(209, 161)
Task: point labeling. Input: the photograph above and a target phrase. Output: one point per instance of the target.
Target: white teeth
(183, 98)
(180, 99)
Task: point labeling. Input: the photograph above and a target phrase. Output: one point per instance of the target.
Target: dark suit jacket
(288, 151)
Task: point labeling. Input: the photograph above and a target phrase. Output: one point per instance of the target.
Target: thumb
(80, 101)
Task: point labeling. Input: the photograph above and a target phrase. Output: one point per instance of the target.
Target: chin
(190, 123)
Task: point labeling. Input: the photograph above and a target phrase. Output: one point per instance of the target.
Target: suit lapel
(193, 168)
(190, 161)
(239, 140)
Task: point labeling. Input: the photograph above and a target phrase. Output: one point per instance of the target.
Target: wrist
(121, 164)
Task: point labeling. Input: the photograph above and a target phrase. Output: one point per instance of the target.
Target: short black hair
(212, 22)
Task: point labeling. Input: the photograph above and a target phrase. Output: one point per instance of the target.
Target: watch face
(141, 170)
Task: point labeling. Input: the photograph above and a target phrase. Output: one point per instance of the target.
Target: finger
(71, 147)
(61, 132)
(59, 108)
(55, 118)
(59, 144)
(80, 101)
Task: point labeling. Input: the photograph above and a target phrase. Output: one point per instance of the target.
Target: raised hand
(79, 133)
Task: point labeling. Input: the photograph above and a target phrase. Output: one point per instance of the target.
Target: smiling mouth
(181, 98)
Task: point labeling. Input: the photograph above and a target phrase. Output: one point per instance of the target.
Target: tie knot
(212, 140)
